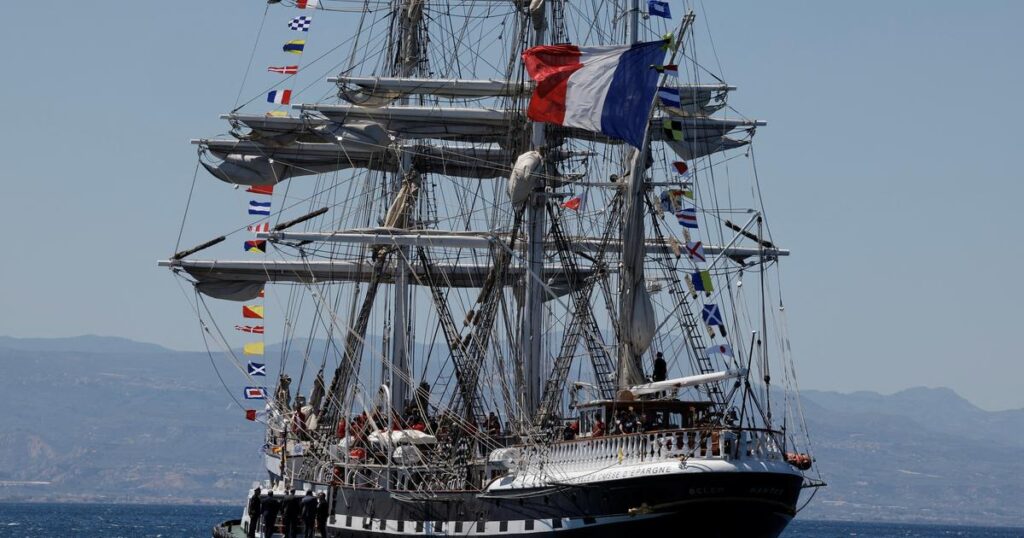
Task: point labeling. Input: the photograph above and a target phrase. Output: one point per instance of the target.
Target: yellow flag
(254, 348)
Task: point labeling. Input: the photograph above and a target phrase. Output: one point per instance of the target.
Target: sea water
(184, 521)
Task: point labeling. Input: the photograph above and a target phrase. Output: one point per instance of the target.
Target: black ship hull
(715, 504)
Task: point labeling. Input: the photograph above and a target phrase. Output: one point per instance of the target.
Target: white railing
(633, 449)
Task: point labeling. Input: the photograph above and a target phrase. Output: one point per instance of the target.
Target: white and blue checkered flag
(300, 23)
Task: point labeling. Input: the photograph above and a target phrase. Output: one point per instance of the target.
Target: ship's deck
(229, 529)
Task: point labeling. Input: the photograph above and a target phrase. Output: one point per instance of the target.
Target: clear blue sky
(890, 164)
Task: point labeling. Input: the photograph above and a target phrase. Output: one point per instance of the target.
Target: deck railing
(650, 447)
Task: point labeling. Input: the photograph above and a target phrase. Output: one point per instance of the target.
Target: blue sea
(182, 521)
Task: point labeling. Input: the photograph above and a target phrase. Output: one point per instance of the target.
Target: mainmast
(536, 226)
(406, 63)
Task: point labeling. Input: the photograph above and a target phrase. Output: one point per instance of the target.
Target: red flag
(252, 312)
(285, 69)
(261, 189)
(253, 329)
(250, 414)
(681, 167)
(573, 203)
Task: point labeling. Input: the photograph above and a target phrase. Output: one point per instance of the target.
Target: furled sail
(360, 90)
(242, 279)
(524, 177)
(252, 163)
(446, 123)
(636, 312)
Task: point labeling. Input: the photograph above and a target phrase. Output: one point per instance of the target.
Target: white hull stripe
(475, 528)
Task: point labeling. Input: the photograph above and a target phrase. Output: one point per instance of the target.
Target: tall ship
(516, 257)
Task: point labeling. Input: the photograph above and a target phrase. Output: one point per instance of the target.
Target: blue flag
(702, 281)
(256, 368)
(259, 208)
(657, 8)
(669, 97)
(712, 315)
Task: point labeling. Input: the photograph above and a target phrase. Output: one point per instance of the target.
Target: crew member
(292, 508)
(270, 507)
(660, 368)
(493, 425)
(598, 429)
(309, 514)
(254, 513)
(322, 511)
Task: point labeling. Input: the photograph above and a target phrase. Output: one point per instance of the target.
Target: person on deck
(493, 425)
(254, 513)
(323, 510)
(269, 507)
(292, 508)
(598, 429)
(660, 368)
(308, 506)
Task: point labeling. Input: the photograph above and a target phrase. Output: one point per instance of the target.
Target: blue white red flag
(602, 89)
(279, 97)
(687, 217)
(255, 393)
(259, 208)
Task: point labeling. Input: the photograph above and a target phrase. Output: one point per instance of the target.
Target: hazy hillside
(918, 455)
(115, 419)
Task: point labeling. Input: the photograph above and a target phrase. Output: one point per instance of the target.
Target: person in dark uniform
(269, 507)
(309, 514)
(660, 368)
(254, 513)
(323, 510)
(292, 508)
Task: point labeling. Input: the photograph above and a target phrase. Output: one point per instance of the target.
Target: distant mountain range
(97, 418)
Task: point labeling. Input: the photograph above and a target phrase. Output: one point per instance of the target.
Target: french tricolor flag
(280, 97)
(603, 89)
